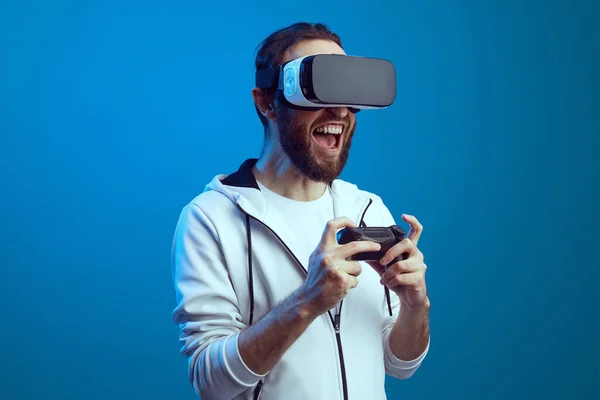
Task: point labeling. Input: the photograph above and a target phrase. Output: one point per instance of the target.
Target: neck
(275, 171)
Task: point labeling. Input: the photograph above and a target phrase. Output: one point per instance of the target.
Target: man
(268, 304)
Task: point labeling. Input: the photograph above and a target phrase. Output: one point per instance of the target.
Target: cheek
(352, 119)
(307, 118)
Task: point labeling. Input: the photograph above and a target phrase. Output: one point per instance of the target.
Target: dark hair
(270, 51)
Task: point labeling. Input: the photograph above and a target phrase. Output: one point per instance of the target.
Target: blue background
(114, 114)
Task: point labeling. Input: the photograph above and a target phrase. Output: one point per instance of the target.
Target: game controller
(386, 237)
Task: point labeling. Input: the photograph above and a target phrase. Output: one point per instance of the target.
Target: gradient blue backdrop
(114, 114)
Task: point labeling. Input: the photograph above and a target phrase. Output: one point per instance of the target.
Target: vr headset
(332, 80)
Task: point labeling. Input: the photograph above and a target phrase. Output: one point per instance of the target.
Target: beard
(297, 142)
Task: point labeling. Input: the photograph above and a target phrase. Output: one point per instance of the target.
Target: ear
(264, 103)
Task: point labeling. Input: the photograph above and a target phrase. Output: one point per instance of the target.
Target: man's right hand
(330, 275)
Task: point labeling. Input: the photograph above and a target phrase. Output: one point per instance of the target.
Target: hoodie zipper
(337, 324)
(338, 338)
(334, 321)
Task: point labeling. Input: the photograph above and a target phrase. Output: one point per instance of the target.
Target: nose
(339, 112)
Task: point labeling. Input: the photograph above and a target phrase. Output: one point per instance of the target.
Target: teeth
(331, 129)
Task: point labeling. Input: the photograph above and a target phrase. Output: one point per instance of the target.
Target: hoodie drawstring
(387, 297)
(259, 385)
(250, 274)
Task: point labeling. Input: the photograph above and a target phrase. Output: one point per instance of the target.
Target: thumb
(330, 233)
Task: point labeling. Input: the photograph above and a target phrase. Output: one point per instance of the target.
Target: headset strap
(268, 78)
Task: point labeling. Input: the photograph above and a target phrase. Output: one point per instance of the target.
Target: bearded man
(269, 304)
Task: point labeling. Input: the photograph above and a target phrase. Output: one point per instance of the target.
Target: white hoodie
(212, 274)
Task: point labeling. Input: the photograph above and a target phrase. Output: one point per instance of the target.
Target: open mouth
(329, 137)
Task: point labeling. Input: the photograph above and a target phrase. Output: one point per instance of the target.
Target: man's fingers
(398, 249)
(353, 282)
(351, 267)
(414, 234)
(408, 279)
(349, 249)
(400, 267)
(332, 228)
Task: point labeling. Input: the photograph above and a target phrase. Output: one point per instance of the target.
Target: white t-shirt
(307, 218)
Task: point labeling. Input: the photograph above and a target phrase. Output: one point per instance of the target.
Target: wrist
(417, 307)
(304, 306)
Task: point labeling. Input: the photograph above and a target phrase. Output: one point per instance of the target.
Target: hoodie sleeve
(401, 369)
(207, 311)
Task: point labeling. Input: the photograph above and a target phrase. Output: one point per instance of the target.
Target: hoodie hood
(242, 189)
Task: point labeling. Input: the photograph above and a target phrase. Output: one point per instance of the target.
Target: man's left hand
(406, 277)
